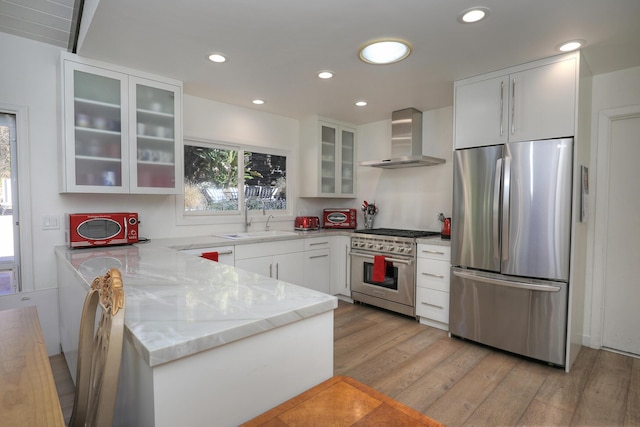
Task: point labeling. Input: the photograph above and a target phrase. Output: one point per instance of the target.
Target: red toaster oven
(339, 218)
(85, 230)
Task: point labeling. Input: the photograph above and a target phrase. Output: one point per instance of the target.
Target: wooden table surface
(28, 394)
(341, 402)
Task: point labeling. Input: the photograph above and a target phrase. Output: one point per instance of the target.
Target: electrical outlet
(50, 222)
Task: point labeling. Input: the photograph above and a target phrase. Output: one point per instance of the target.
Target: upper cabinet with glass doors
(328, 159)
(121, 130)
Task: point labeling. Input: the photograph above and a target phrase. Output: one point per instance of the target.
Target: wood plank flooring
(460, 383)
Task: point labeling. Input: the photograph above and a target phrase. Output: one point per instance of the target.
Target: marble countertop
(178, 304)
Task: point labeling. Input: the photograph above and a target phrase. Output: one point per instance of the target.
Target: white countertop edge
(237, 330)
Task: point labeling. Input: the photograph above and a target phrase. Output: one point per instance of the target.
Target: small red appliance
(446, 229)
(339, 218)
(303, 223)
(85, 230)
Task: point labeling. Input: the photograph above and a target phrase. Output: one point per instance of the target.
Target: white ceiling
(275, 48)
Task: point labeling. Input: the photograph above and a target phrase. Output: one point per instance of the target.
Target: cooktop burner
(395, 232)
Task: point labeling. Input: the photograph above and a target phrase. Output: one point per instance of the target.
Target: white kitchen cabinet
(528, 102)
(340, 261)
(282, 260)
(122, 130)
(432, 280)
(317, 264)
(226, 254)
(328, 159)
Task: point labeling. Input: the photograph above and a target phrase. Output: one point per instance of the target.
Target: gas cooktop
(395, 232)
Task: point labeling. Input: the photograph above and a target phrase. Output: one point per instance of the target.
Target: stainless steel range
(383, 268)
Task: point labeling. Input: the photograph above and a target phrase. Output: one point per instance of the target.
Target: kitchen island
(205, 343)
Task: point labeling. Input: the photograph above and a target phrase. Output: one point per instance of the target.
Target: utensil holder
(368, 221)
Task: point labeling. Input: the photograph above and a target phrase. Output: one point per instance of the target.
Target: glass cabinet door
(347, 161)
(328, 160)
(154, 126)
(94, 119)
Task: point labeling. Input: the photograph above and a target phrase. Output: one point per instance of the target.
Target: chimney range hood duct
(406, 143)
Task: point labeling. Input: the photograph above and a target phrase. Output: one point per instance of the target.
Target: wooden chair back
(99, 352)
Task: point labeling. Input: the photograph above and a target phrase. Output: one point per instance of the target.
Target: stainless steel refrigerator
(510, 246)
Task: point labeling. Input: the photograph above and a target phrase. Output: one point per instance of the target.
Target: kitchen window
(219, 179)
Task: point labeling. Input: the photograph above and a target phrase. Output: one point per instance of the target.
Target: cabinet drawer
(433, 274)
(442, 253)
(311, 244)
(432, 304)
(255, 250)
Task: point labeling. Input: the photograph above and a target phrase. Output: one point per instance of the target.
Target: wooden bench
(28, 394)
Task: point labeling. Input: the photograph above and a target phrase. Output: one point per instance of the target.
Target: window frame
(236, 216)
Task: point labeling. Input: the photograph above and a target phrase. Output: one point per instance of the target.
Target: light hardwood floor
(461, 383)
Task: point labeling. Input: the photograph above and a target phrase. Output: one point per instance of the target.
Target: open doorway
(9, 240)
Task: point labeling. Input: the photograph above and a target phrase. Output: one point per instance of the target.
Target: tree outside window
(213, 182)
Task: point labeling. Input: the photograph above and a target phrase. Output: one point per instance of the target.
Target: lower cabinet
(282, 260)
(341, 281)
(432, 279)
(318, 263)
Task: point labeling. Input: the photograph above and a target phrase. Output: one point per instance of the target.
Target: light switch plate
(50, 222)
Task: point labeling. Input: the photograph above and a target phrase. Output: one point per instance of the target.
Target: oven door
(396, 292)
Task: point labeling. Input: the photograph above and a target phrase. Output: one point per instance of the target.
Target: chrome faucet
(266, 227)
(247, 221)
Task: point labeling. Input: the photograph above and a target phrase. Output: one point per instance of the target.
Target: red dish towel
(379, 268)
(213, 256)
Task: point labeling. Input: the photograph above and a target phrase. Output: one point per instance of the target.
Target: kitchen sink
(257, 234)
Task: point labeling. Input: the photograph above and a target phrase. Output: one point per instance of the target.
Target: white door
(621, 264)
(9, 240)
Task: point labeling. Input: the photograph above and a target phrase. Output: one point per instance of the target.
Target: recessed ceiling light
(361, 103)
(384, 51)
(216, 57)
(570, 45)
(325, 74)
(258, 101)
(472, 15)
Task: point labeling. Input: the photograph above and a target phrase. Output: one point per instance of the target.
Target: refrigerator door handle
(506, 192)
(502, 108)
(508, 283)
(513, 106)
(496, 210)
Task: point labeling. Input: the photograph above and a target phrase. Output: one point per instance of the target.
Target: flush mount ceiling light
(258, 101)
(325, 74)
(217, 57)
(361, 103)
(384, 51)
(570, 45)
(472, 15)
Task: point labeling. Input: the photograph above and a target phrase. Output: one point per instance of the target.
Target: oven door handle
(401, 261)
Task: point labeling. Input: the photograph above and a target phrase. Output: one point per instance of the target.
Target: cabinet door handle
(225, 252)
(432, 305)
(438, 276)
(501, 107)
(318, 243)
(318, 256)
(270, 270)
(513, 106)
(432, 252)
(277, 271)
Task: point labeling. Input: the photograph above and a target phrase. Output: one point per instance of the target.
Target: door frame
(25, 257)
(600, 228)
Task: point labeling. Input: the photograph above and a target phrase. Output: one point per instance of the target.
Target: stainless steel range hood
(406, 143)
